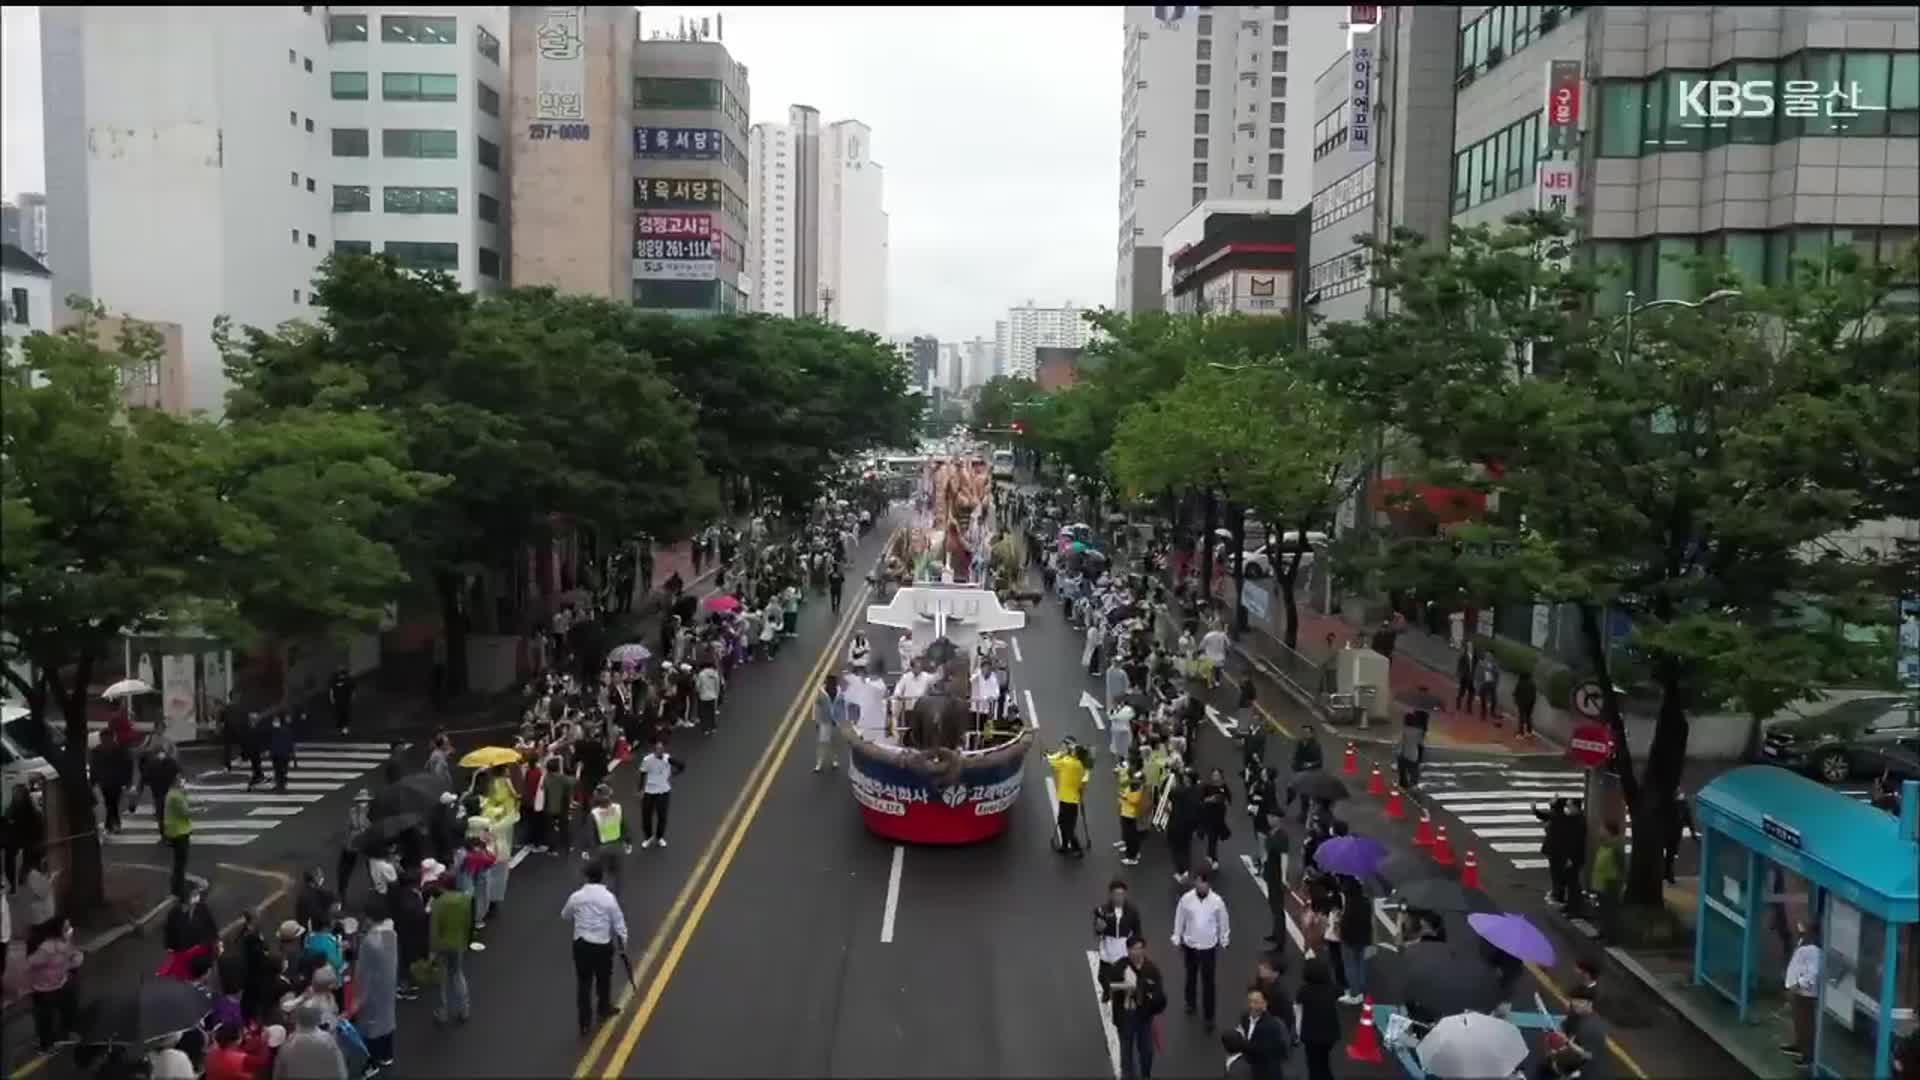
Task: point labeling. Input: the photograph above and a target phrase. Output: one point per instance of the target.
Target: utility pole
(826, 304)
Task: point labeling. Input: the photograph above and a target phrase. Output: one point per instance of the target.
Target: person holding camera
(1070, 765)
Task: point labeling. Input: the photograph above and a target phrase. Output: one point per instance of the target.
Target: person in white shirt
(985, 695)
(706, 687)
(1213, 646)
(912, 685)
(657, 771)
(1200, 931)
(598, 924)
(866, 696)
(1803, 990)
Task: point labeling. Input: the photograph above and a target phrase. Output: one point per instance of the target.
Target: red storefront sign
(1447, 505)
(1564, 88)
(672, 225)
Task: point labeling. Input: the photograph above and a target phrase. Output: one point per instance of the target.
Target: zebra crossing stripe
(1507, 794)
(1528, 864)
(265, 798)
(215, 840)
(152, 831)
(1477, 808)
(275, 811)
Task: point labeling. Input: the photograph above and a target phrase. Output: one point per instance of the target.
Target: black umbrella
(1408, 867)
(1440, 980)
(383, 831)
(1441, 894)
(1320, 784)
(416, 794)
(147, 1010)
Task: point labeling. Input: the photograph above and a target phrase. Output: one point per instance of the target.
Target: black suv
(1864, 737)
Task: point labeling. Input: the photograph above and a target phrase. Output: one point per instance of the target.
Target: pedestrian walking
(340, 696)
(256, 749)
(1803, 991)
(352, 839)
(26, 832)
(440, 759)
(450, 929)
(1412, 749)
(1609, 880)
(1215, 797)
(1525, 695)
(1136, 993)
(1463, 681)
(1319, 1018)
(599, 927)
(657, 771)
(611, 840)
(836, 584)
(376, 983)
(233, 733)
(1133, 801)
(1264, 1035)
(1115, 923)
(829, 712)
(111, 766)
(1273, 873)
(1487, 674)
(176, 830)
(280, 749)
(707, 686)
(1200, 930)
(556, 789)
(310, 1052)
(159, 770)
(1356, 937)
(51, 962)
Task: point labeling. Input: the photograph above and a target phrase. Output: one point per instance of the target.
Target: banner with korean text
(692, 144)
(560, 75)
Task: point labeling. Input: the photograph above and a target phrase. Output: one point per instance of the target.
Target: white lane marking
(1529, 864)
(893, 895)
(1477, 808)
(1033, 717)
(1534, 849)
(1477, 820)
(1053, 799)
(152, 830)
(1093, 709)
(1106, 1015)
(1507, 834)
(243, 797)
(194, 791)
(1219, 724)
(1498, 794)
(1526, 774)
(381, 747)
(275, 811)
(1293, 929)
(215, 840)
(1016, 651)
(519, 856)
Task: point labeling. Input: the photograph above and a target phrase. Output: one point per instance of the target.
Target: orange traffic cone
(1376, 784)
(1470, 872)
(1396, 807)
(1442, 850)
(1423, 833)
(1366, 1041)
(1351, 766)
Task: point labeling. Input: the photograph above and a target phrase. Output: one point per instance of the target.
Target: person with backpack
(1137, 995)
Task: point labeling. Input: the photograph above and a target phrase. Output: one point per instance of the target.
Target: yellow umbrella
(488, 757)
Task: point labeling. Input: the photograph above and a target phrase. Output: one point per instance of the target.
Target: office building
(1227, 258)
(285, 133)
(690, 177)
(1056, 367)
(28, 288)
(1212, 105)
(978, 357)
(571, 147)
(926, 362)
(23, 223)
(1029, 327)
(821, 247)
(1001, 343)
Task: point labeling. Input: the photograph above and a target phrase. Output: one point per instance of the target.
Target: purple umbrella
(1513, 935)
(1353, 855)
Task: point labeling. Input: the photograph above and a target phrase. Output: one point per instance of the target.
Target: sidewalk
(1411, 683)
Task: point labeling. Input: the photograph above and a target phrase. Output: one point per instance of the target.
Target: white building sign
(1360, 99)
(1556, 187)
(675, 269)
(560, 73)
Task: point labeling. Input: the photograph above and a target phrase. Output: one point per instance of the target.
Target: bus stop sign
(1591, 745)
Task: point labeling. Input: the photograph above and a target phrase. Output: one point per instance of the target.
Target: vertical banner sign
(177, 698)
(1363, 14)
(1360, 99)
(560, 75)
(1563, 104)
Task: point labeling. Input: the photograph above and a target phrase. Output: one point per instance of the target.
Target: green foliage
(1513, 657)
(995, 407)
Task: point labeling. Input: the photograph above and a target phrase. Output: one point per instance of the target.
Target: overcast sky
(998, 128)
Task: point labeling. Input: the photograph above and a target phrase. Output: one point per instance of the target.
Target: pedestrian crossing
(226, 814)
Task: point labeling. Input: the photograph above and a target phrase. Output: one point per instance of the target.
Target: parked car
(1867, 736)
(1259, 562)
(21, 757)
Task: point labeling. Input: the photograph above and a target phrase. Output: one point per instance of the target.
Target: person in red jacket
(234, 1058)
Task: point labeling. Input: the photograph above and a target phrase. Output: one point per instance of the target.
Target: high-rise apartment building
(1029, 327)
(689, 176)
(820, 247)
(1212, 107)
(1000, 346)
(282, 133)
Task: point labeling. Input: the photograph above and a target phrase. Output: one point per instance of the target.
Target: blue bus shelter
(1775, 848)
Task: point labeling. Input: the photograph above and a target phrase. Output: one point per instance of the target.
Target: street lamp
(1663, 421)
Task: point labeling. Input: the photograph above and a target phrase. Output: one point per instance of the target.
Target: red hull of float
(930, 824)
(901, 805)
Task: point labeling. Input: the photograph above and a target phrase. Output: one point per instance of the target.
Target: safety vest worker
(608, 824)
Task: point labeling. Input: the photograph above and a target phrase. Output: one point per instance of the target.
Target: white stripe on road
(1106, 1014)
(1493, 795)
(244, 797)
(216, 840)
(1529, 864)
(152, 830)
(194, 791)
(319, 757)
(1016, 651)
(1528, 774)
(1219, 724)
(276, 811)
(1498, 807)
(1033, 716)
(893, 895)
(1534, 849)
(381, 747)
(1293, 931)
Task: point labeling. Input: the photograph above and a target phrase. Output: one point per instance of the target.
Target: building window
(488, 44)
(349, 85)
(293, 178)
(353, 247)
(1203, 98)
(487, 208)
(291, 56)
(421, 255)
(296, 236)
(489, 263)
(419, 29)
(1206, 24)
(312, 241)
(1279, 60)
(349, 142)
(1274, 188)
(1199, 172)
(488, 153)
(413, 86)
(1276, 112)
(346, 28)
(1280, 14)
(296, 296)
(307, 62)
(17, 307)
(1276, 163)
(1279, 34)
(662, 93)
(1276, 138)
(1203, 49)
(1200, 148)
(419, 143)
(1203, 74)
(1279, 86)
(1502, 163)
(1199, 195)
(310, 187)
(293, 118)
(1200, 123)
(352, 198)
(488, 98)
(420, 200)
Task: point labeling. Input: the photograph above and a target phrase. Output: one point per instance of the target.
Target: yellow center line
(784, 739)
(765, 763)
(1545, 980)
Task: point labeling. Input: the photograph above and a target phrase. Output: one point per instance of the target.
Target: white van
(1003, 464)
(19, 759)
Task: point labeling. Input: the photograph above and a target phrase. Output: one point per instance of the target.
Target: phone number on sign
(569, 132)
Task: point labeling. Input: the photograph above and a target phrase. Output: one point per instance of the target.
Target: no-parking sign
(1589, 699)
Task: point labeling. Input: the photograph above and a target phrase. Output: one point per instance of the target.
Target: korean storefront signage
(700, 144)
(1564, 86)
(1360, 98)
(1556, 187)
(560, 75)
(661, 191)
(676, 225)
(675, 269)
(655, 247)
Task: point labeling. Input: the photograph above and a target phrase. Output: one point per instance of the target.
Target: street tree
(1688, 467)
(1000, 399)
(118, 520)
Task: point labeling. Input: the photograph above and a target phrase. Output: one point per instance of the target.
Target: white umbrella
(1472, 1044)
(126, 688)
(631, 653)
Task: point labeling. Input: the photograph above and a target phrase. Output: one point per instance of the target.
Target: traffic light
(1019, 427)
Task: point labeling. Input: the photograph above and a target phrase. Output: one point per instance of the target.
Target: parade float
(929, 775)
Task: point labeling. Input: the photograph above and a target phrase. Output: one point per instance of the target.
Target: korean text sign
(661, 191)
(1360, 98)
(679, 226)
(1564, 79)
(561, 66)
(669, 142)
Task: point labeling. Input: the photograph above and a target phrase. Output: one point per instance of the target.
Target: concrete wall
(38, 316)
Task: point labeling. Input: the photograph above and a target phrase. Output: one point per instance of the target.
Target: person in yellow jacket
(501, 808)
(1069, 765)
(1133, 797)
(176, 828)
